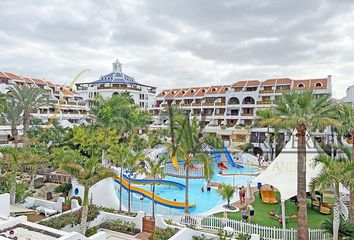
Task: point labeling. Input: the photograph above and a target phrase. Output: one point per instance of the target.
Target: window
(214, 89)
(300, 85)
(203, 90)
(318, 85)
(183, 92)
(192, 91)
(226, 89)
(163, 93)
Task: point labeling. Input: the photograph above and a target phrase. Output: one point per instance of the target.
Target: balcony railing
(185, 104)
(196, 104)
(247, 114)
(208, 104)
(264, 102)
(219, 104)
(266, 91)
(282, 90)
(119, 87)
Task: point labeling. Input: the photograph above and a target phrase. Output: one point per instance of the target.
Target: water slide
(156, 181)
(148, 194)
(175, 163)
(216, 155)
(230, 159)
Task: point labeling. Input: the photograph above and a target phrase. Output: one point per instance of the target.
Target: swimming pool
(204, 200)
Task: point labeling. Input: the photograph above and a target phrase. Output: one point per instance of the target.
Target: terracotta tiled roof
(320, 83)
(191, 92)
(181, 92)
(163, 93)
(14, 77)
(172, 93)
(214, 89)
(269, 82)
(39, 81)
(28, 80)
(3, 75)
(201, 92)
(252, 83)
(284, 81)
(74, 92)
(239, 84)
(65, 92)
(50, 84)
(224, 89)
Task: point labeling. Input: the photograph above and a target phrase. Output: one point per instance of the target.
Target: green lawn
(262, 217)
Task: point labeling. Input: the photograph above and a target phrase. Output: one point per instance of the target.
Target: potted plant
(66, 206)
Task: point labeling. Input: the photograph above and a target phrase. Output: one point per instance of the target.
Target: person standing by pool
(243, 190)
(240, 194)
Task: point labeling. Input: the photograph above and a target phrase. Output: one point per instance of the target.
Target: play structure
(230, 159)
(175, 163)
(216, 155)
(268, 196)
(222, 166)
(156, 181)
(165, 202)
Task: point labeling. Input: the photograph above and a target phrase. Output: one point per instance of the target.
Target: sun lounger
(272, 198)
(46, 211)
(325, 210)
(327, 205)
(265, 196)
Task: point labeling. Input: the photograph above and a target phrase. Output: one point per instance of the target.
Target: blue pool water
(204, 200)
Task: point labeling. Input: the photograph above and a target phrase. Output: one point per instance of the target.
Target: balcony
(175, 105)
(164, 105)
(247, 114)
(119, 87)
(185, 105)
(264, 102)
(208, 104)
(282, 90)
(266, 91)
(219, 104)
(219, 114)
(196, 104)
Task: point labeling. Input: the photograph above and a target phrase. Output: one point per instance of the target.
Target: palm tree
(226, 192)
(305, 112)
(346, 116)
(187, 147)
(87, 174)
(14, 160)
(29, 98)
(332, 174)
(262, 115)
(155, 171)
(132, 164)
(118, 153)
(11, 113)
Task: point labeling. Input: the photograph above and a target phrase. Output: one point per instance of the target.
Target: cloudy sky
(174, 43)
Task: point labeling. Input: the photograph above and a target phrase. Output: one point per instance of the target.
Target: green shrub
(120, 226)
(163, 234)
(202, 237)
(91, 231)
(63, 188)
(38, 185)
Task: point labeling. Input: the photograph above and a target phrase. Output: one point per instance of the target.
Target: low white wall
(5, 205)
(187, 234)
(12, 222)
(36, 202)
(78, 236)
(104, 216)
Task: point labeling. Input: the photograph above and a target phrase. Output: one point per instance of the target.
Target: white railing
(344, 211)
(267, 233)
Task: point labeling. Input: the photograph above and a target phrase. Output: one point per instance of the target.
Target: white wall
(5, 205)
(102, 193)
(36, 202)
(187, 234)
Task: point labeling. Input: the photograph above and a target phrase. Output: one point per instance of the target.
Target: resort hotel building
(230, 110)
(115, 83)
(65, 104)
(349, 98)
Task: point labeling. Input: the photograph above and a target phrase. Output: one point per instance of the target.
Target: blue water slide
(157, 181)
(230, 159)
(216, 155)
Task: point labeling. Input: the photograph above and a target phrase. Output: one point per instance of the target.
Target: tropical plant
(11, 113)
(132, 163)
(162, 234)
(346, 116)
(155, 171)
(345, 231)
(305, 112)
(226, 192)
(29, 98)
(87, 174)
(63, 188)
(332, 175)
(186, 144)
(14, 160)
(118, 154)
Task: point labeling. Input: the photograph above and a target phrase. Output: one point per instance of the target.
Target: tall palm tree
(304, 112)
(11, 113)
(118, 154)
(29, 98)
(346, 116)
(132, 164)
(187, 147)
(332, 174)
(155, 171)
(87, 174)
(14, 160)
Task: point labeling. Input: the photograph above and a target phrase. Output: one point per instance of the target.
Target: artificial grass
(261, 217)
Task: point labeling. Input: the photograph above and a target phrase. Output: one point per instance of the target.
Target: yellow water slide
(148, 194)
(175, 163)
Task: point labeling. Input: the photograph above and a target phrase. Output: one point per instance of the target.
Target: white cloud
(180, 43)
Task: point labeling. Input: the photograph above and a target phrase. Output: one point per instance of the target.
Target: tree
(303, 111)
(226, 192)
(11, 113)
(186, 144)
(332, 174)
(132, 164)
(14, 160)
(346, 228)
(118, 153)
(155, 171)
(346, 116)
(29, 98)
(87, 174)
